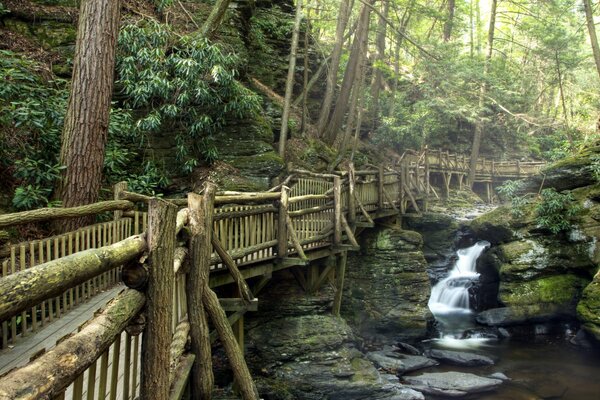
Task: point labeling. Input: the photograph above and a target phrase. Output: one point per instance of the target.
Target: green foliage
(3, 9)
(555, 211)
(509, 190)
(182, 84)
(162, 4)
(595, 166)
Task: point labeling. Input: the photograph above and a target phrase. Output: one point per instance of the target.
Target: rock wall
(299, 350)
(543, 276)
(387, 286)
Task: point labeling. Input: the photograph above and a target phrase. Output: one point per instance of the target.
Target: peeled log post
(24, 289)
(243, 288)
(201, 211)
(236, 358)
(52, 372)
(351, 191)
(337, 215)
(158, 333)
(47, 214)
(282, 234)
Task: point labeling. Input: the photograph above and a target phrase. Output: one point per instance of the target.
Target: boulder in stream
(460, 358)
(451, 384)
(400, 363)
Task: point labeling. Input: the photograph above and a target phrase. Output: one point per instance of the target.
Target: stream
(545, 366)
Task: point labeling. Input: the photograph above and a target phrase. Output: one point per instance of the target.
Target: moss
(494, 226)
(562, 290)
(588, 308)
(260, 165)
(50, 34)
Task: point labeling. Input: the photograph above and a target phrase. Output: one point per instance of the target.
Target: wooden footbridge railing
(175, 257)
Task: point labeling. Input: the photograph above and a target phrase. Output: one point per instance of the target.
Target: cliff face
(387, 286)
(545, 276)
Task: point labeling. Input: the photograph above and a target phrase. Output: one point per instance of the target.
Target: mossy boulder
(588, 308)
(560, 290)
(50, 34)
(494, 226)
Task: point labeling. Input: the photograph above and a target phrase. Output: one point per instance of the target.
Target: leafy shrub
(555, 211)
(183, 84)
(509, 190)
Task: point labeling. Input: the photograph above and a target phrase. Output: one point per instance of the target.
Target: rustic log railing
(165, 256)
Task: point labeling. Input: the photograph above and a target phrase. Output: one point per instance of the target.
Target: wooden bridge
(71, 329)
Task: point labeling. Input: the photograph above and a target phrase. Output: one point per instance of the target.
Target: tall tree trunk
(589, 18)
(482, 92)
(449, 20)
(336, 54)
(305, 76)
(478, 26)
(379, 58)
(214, 19)
(357, 53)
(289, 85)
(471, 29)
(561, 89)
(86, 121)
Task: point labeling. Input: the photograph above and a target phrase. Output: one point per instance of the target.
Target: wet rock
(387, 286)
(451, 384)
(400, 363)
(507, 316)
(460, 358)
(407, 349)
(588, 308)
(499, 375)
(405, 393)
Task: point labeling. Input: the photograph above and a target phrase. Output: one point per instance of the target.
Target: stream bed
(543, 368)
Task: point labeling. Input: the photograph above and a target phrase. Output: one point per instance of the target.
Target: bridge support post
(158, 332)
(201, 211)
(351, 200)
(340, 272)
(282, 233)
(380, 187)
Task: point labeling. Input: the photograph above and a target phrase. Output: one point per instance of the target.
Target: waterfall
(451, 294)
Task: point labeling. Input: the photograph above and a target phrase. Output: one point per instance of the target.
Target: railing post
(380, 185)
(351, 194)
(282, 234)
(158, 332)
(337, 207)
(118, 188)
(200, 224)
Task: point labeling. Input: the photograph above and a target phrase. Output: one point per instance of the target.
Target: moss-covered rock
(588, 308)
(50, 34)
(495, 226)
(387, 286)
(559, 290)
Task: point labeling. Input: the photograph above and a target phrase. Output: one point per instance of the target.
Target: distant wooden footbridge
(105, 312)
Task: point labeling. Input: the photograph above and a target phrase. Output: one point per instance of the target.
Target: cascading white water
(451, 294)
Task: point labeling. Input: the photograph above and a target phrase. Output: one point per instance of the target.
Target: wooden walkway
(307, 228)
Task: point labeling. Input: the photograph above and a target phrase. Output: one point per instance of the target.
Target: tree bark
(200, 215)
(379, 58)
(86, 121)
(449, 20)
(158, 333)
(482, 91)
(357, 53)
(289, 85)
(336, 54)
(214, 19)
(589, 18)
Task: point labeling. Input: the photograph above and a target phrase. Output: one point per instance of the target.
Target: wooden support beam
(412, 199)
(158, 332)
(329, 266)
(235, 304)
(240, 282)
(380, 186)
(201, 211)
(299, 275)
(181, 377)
(260, 285)
(363, 211)
(282, 234)
(340, 273)
(177, 347)
(294, 238)
(337, 215)
(241, 372)
(389, 199)
(361, 224)
(349, 232)
(351, 195)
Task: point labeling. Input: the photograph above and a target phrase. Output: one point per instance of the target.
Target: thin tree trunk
(478, 26)
(214, 19)
(589, 18)
(357, 53)
(289, 86)
(336, 54)
(305, 76)
(449, 20)
(471, 30)
(86, 121)
(379, 58)
(482, 91)
(562, 99)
